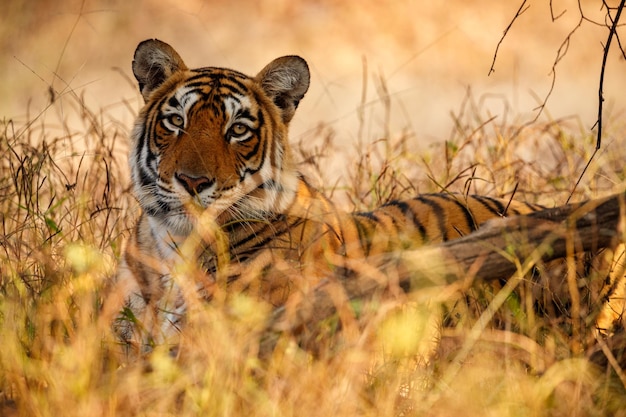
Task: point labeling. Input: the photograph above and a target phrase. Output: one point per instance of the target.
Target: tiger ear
(153, 63)
(285, 80)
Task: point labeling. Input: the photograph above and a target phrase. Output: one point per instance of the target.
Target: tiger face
(212, 138)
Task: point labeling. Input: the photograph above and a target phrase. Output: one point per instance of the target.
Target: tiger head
(213, 138)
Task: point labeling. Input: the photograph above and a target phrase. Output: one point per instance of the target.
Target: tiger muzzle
(194, 185)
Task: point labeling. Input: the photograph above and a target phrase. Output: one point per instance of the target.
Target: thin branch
(607, 47)
(552, 12)
(495, 54)
(62, 54)
(560, 54)
(619, 43)
(582, 174)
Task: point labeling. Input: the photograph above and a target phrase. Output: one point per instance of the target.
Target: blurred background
(377, 66)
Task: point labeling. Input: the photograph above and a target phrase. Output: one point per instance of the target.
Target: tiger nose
(193, 185)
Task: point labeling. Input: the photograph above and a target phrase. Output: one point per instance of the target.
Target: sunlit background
(417, 58)
(391, 81)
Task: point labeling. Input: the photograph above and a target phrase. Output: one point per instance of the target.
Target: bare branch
(619, 43)
(582, 174)
(552, 12)
(607, 47)
(495, 54)
(560, 54)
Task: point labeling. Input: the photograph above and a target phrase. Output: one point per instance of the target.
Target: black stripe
(253, 151)
(365, 234)
(232, 81)
(428, 200)
(145, 176)
(492, 204)
(534, 207)
(217, 78)
(407, 210)
(266, 234)
(469, 217)
(173, 102)
(245, 113)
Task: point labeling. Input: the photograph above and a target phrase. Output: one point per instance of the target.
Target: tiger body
(213, 173)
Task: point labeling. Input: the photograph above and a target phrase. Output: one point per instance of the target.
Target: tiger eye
(177, 120)
(238, 129)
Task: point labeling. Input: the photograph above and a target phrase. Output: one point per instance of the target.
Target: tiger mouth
(193, 209)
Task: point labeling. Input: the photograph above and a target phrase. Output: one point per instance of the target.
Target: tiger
(219, 189)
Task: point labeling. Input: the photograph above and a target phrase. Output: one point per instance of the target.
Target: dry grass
(65, 211)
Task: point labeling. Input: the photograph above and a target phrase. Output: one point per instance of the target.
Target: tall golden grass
(66, 209)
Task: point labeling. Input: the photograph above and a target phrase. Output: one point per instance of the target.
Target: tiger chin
(224, 205)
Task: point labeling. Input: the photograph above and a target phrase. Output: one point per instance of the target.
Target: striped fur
(212, 171)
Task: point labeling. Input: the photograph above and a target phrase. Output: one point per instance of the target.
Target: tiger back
(213, 173)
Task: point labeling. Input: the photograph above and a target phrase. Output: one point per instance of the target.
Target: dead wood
(498, 250)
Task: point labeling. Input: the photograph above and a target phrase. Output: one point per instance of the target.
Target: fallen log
(499, 249)
(548, 234)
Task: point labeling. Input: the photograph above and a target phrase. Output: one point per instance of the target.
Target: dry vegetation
(66, 209)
